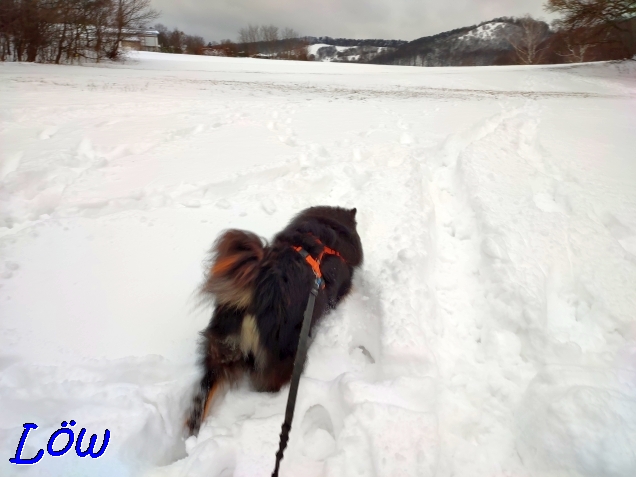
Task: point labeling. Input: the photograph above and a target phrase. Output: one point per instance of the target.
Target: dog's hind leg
(222, 362)
(201, 401)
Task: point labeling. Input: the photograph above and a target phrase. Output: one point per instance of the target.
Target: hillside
(479, 45)
(487, 43)
(360, 53)
(325, 48)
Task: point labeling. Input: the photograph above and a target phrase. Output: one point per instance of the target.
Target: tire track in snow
(528, 316)
(471, 395)
(402, 399)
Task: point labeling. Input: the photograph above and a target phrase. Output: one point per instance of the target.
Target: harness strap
(314, 263)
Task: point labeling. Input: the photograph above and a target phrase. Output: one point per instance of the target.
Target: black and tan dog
(260, 294)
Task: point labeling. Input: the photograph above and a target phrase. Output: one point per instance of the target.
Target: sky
(387, 19)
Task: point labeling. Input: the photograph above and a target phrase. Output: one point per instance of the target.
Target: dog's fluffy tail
(233, 267)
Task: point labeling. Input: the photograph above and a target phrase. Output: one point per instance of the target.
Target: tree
(571, 46)
(289, 34)
(249, 38)
(598, 22)
(530, 43)
(176, 41)
(291, 42)
(29, 26)
(592, 13)
(269, 36)
(129, 16)
(194, 45)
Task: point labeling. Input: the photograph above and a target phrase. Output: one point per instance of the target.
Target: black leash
(299, 363)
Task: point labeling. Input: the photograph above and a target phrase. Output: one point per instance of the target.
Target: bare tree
(270, 37)
(290, 38)
(254, 34)
(249, 37)
(592, 13)
(285, 43)
(69, 30)
(289, 34)
(30, 24)
(243, 36)
(572, 46)
(597, 22)
(229, 48)
(129, 16)
(194, 45)
(529, 43)
(269, 33)
(576, 50)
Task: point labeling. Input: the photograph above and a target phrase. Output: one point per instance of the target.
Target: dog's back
(260, 293)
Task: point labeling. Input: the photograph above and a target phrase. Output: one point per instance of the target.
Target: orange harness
(314, 263)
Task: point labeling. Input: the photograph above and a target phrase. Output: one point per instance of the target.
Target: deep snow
(491, 331)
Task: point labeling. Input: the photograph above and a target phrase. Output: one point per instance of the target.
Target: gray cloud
(387, 19)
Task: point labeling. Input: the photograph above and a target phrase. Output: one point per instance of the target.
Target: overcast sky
(215, 20)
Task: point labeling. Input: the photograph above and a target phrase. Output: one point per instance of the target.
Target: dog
(260, 293)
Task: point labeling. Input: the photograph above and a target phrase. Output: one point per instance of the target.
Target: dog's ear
(353, 212)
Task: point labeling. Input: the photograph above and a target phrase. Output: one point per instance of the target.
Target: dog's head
(343, 223)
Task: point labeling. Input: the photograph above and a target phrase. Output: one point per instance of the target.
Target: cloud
(386, 19)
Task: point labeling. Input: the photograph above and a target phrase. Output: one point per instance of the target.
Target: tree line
(69, 30)
(593, 30)
(588, 30)
(263, 41)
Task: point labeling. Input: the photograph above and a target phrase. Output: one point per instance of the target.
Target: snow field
(490, 331)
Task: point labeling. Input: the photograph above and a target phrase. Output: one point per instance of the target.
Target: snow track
(490, 330)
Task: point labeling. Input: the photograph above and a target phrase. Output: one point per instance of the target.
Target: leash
(303, 345)
(299, 363)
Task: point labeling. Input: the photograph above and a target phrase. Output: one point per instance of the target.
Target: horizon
(405, 20)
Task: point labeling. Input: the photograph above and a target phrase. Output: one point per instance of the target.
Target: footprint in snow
(406, 139)
(318, 433)
(10, 164)
(10, 268)
(549, 196)
(623, 234)
(268, 206)
(48, 132)
(223, 204)
(547, 203)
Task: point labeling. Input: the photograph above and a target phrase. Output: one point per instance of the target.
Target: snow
(313, 50)
(485, 31)
(491, 330)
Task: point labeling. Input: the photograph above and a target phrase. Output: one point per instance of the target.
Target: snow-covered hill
(479, 45)
(491, 330)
